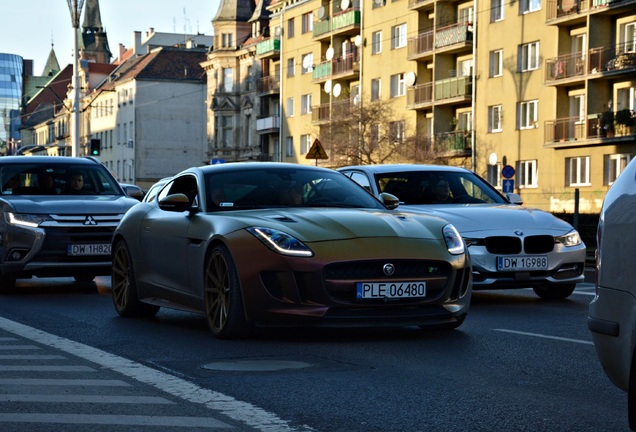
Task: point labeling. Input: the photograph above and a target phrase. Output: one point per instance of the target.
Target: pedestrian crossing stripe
(316, 151)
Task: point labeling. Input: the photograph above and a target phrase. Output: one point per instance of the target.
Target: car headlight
(453, 240)
(28, 220)
(570, 239)
(281, 242)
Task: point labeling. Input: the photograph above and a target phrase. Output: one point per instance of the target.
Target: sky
(30, 26)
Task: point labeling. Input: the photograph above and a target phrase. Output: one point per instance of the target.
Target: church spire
(52, 66)
(92, 17)
(93, 38)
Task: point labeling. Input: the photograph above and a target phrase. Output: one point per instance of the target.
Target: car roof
(388, 168)
(245, 166)
(14, 160)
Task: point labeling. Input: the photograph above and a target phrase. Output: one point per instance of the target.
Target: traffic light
(95, 147)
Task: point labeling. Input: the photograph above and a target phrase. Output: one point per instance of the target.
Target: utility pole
(75, 7)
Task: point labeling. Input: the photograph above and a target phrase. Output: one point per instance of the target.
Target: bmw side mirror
(514, 198)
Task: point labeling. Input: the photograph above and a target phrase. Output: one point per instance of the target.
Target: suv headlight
(281, 242)
(28, 220)
(453, 240)
(570, 239)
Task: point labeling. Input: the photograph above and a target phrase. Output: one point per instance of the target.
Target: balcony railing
(420, 94)
(326, 112)
(421, 44)
(456, 142)
(341, 20)
(453, 34)
(606, 59)
(268, 124)
(269, 84)
(338, 66)
(270, 46)
(453, 87)
(565, 66)
(599, 125)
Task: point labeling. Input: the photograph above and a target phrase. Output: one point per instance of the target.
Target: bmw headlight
(28, 220)
(281, 242)
(570, 239)
(453, 240)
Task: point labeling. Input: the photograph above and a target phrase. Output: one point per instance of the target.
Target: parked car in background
(612, 312)
(511, 246)
(285, 244)
(152, 192)
(58, 217)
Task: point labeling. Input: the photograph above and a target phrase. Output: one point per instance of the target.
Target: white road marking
(63, 382)
(30, 357)
(240, 411)
(118, 419)
(18, 347)
(546, 336)
(45, 368)
(84, 399)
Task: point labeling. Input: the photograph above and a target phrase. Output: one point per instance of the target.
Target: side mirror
(514, 198)
(175, 203)
(390, 201)
(134, 192)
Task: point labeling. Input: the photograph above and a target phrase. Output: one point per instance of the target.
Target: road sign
(508, 186)
(316, 151)
(508, 172)
(216, 161)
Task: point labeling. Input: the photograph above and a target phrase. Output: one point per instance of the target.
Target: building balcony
(454, 38)
(453, 90)
(323, 113)
(574, 11)
(419, 96)
(611, 60)
(342, 23)
(269, 48)
(570, 131)
(456, 143)
(269, 124)
(566, 67)
(343, 67)
(420, 46)
(420, 4)
(269, 84)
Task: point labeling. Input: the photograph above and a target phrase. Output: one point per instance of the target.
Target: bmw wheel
(124, 288)
(223, 302)
(554, 292)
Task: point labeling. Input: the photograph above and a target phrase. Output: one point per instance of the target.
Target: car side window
(362, 180)
(186, 185)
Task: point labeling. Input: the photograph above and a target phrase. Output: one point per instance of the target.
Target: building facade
(11, 76)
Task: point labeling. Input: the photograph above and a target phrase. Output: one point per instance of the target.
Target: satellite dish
(321, 12)
(328, 86)
(344, 4)
(358, 40)
(330, 53)
(356, 100)
(307, 62)
(410, 79)
(336, 90)
(378, 2)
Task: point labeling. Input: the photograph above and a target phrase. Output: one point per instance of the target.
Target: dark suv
(58, 217)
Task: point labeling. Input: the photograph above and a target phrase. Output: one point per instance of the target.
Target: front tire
(224, 309)
(124, 287)
(555, 292)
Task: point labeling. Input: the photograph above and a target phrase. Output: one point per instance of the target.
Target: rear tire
(555, 292)
(124, 287)
(224, 309)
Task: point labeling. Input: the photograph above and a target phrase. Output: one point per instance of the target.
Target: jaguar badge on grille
(388, 269)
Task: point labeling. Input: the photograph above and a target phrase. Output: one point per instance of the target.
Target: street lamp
(75, 7)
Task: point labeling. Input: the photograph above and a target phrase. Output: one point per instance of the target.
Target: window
(528, 114)
(227, 127)
(291, 67)
(305, 104)
(614, 165)
(466, 68)
(228, 80)
(496, 63)
(577, 108)
(398, 36)
(376, 44)
(374, 134)
(527, 173)
(398, 87)
(375, 89)
(494, 118)
(529, 56)
(629, 37)
(308, 63)
(494, 175)
(290, 28)
(289, 146)
(529, 6)
(577, 171)
(396, 131)
(496, 10)
(227, 40)
(305, 143)
(308, 22)
(290, 107)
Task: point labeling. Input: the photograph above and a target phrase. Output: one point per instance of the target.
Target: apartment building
(543, 86)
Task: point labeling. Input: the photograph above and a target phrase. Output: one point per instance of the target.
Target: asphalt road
(517, 364)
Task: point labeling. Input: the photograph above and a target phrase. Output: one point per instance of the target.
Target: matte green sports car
(283, 244)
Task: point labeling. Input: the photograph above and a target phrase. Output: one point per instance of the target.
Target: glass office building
(11, 72)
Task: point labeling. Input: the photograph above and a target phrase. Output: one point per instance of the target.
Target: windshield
(57, 179)
(284, 187)
(438, 187)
